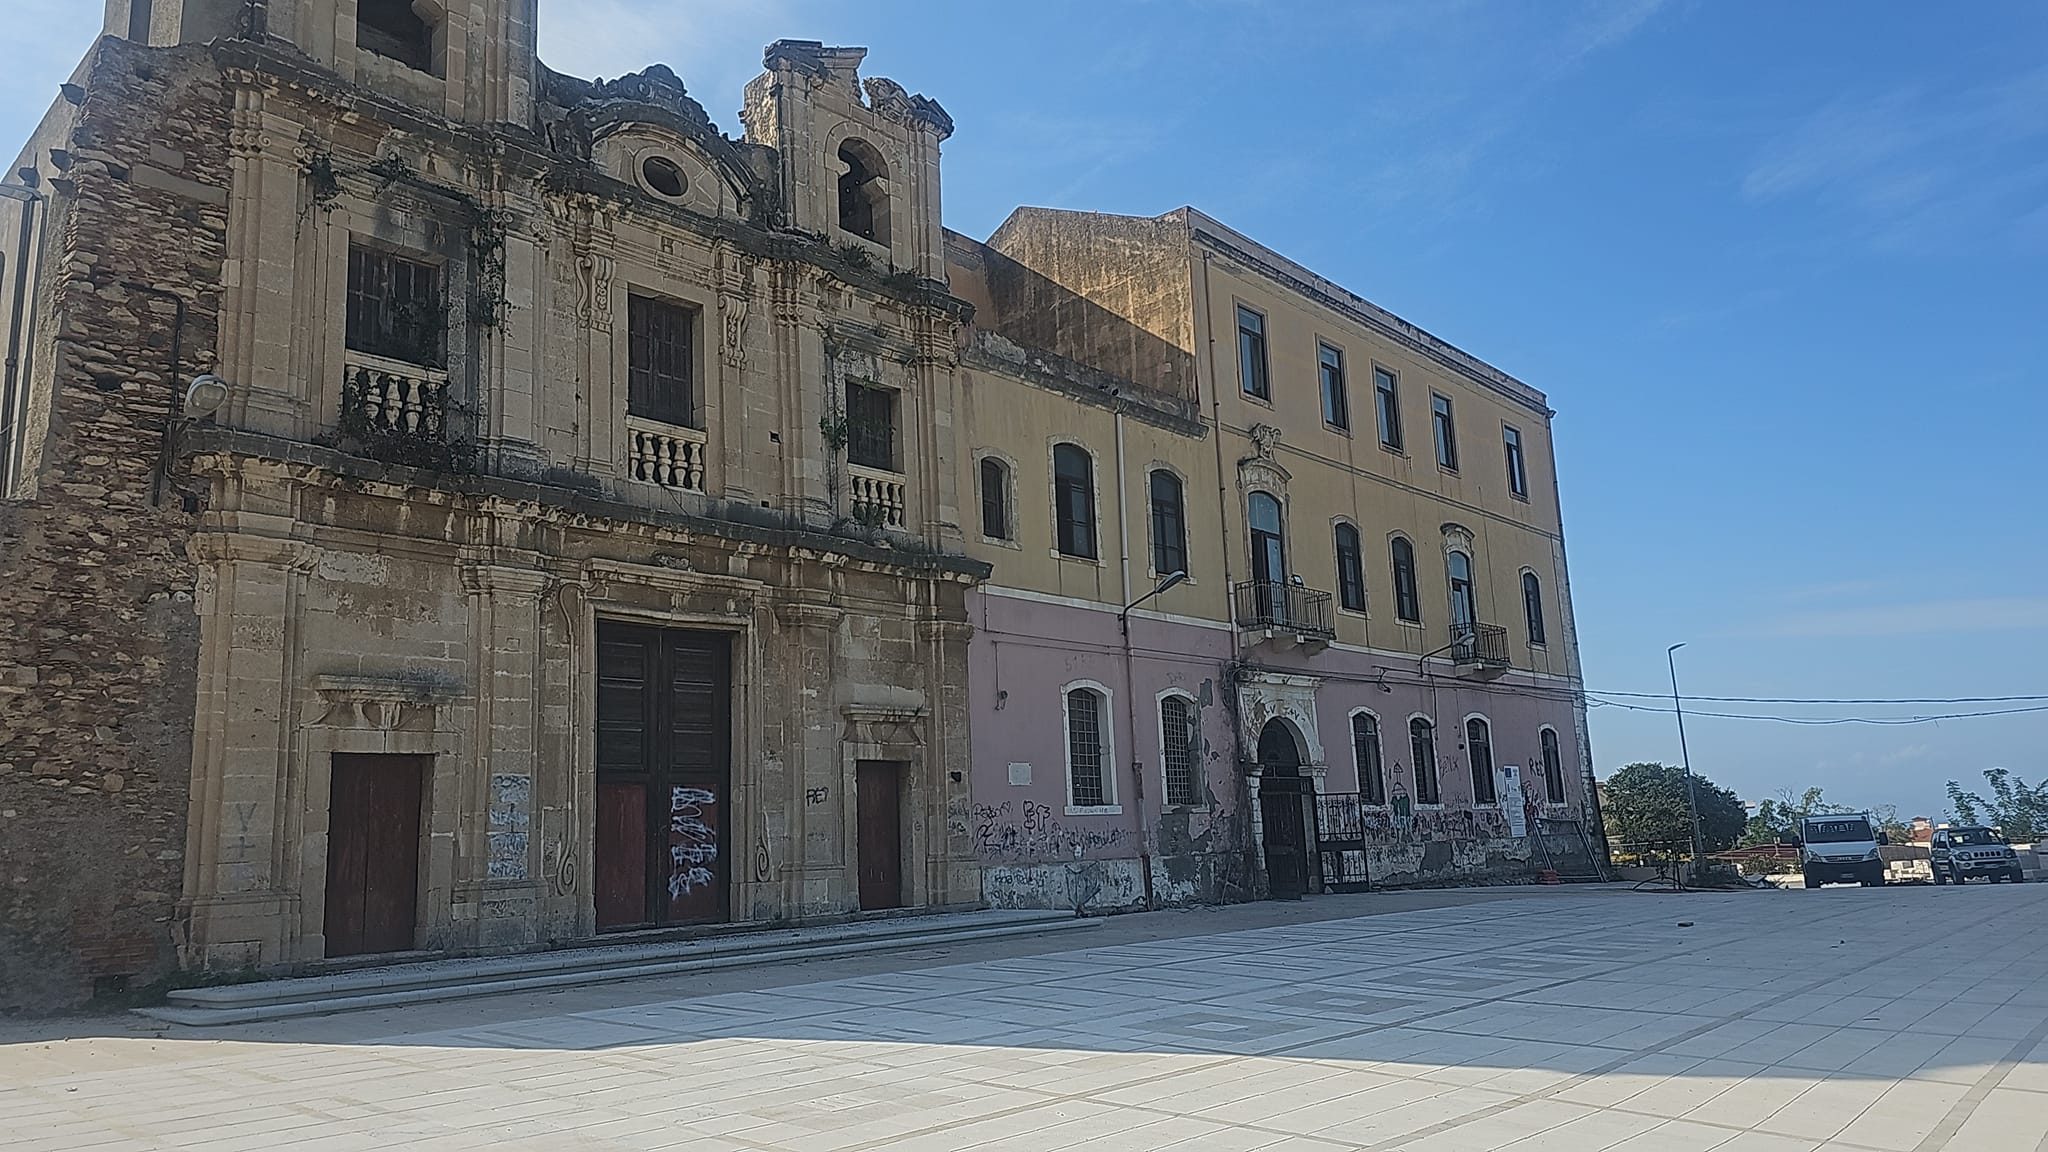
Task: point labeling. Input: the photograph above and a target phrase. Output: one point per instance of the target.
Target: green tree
(1646, 803)
(2017, 808)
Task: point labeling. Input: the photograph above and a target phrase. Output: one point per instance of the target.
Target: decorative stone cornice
(883, 724)
(380, 704)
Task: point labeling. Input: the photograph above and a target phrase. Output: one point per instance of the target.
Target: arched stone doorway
(1281, 788)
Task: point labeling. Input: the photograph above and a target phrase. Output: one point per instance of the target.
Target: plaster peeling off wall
(511, 801)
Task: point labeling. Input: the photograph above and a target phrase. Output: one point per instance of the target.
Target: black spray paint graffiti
(1010, 831)
(693, 844)
(817, 795)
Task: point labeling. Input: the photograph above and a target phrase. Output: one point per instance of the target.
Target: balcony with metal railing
(1284, 609)
(1479, 651)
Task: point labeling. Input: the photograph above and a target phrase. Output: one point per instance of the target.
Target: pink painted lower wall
(1039, 850)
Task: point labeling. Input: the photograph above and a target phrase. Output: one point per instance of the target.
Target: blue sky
(1780, 268)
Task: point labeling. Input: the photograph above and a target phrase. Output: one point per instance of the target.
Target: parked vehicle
(1841, 848)
(1960, 853)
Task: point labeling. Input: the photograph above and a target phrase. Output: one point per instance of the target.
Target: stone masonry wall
(98, 641)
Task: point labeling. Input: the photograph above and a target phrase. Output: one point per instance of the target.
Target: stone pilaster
(498, 889)
(238, 907)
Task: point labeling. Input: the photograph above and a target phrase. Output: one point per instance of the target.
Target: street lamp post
(1692, 794)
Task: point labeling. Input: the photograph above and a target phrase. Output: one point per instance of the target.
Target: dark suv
(1960, 853)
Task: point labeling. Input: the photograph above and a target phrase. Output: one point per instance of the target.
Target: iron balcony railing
(1483, 646)
(1270, 604)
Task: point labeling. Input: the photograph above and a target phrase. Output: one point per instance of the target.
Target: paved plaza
(1572, 1020)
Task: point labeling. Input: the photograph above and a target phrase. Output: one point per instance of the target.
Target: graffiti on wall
(1026, 830)
(692, 842)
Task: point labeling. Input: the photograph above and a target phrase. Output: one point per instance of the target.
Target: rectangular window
(1446, 431)
(395, 308)
(1085, 768)
(1251, 353)
(1177, 745)
(1518, 472)
(1387, 394)
(660, 361)
(1336, 404)
(870, 426)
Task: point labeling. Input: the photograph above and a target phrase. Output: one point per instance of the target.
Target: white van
(1841, 848)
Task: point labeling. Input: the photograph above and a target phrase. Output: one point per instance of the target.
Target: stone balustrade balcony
(669, 455)
(878, 498)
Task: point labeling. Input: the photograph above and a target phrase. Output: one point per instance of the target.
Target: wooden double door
(664, 776)
(373, 852)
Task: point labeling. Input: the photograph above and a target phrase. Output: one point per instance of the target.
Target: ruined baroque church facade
(591, 523)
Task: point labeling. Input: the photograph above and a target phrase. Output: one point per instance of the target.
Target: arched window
(1532, 606)
(1073, 494)
(1553, 768)
(1169, 524)
(1089, 781)
(1177, 750)
(1269, 540)
(1365, 753)
(1464, 603)
(864, 192)
(1479, 752)
(995, 499)
(1422, 746)
(1350, 569)
(394, 29)
(1407, 604)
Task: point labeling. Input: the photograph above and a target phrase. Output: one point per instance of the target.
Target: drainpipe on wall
(175, 411)
(1123, 524)
(13, 390)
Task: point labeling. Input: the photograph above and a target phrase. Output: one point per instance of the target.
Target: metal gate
(1340, 842)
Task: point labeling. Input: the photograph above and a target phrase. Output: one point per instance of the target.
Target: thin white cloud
(1912, 167)
(1927, 617)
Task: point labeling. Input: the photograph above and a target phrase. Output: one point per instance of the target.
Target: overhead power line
(1824, 720)
(1829, 699)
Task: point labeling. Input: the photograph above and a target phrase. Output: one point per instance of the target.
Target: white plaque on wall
(1020, 774)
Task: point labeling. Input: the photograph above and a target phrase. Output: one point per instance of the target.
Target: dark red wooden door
(878, 832)
(664, 712)
(373, 853)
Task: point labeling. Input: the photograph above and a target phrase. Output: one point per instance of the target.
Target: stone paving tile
(1560, 1021)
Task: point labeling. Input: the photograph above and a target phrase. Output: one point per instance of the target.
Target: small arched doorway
(1281, 787)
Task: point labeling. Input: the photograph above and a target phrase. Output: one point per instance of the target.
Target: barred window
(870, 426)
(395, 308)
(1553, 769)
(1086, 773)
(1479, 750)
(1177, 739)
(1422, 745)
(1365, 749)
